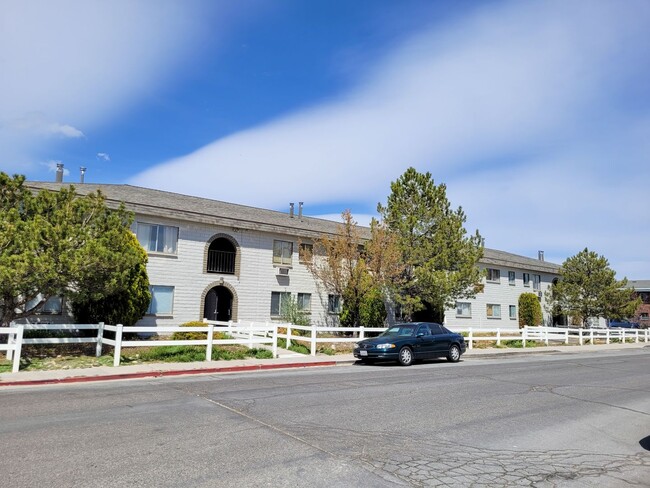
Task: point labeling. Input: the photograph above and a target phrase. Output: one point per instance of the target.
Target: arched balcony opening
(221, 256)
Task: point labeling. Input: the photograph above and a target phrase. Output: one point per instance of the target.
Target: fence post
(524, 335)
(288, 334)
(11, 338)
(580, 335)
(313, 340)
(607, 336)
(362, 333)
(623, 336)
(100, 338)
(566, 336)
(275, 340)
(208, 349)
(250, 335)
(546, 335)
(591, 336)
(636, 336)
(469, 338)
(19, 347)
(118, 345)
(498, 336)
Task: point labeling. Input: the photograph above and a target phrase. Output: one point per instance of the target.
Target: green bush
(530, 310)
(197, 336)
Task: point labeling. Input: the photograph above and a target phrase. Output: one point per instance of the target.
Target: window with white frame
(537, 282)
(493, 311)
(303, 301)
(282, 252)
(305, 252)
(526, 279)
(463, 309)
(162, 300)
(279, 299)
(157, 238)
(334, 304)
(493, 275)
(511, 278)
(513, 312)
(52, 306)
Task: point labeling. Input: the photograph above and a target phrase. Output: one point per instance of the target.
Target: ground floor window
(513, 311)
(493, 311)
(334, 304)
(162, 300)
(304, 302)
(463, 309)
(278, 300)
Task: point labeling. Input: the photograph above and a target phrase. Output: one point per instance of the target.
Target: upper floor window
(493, 275)
(511, 277)
(282, 252)
(537, 282)
(157, 238)
(334, 304)
(162, 300)
(463, 309)
(526, 279)
(305, 253)
(221, 256)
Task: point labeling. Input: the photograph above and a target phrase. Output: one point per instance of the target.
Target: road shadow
(645, 443)
(395, 364)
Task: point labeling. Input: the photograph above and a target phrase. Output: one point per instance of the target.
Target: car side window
(436, 329)
(424, 330)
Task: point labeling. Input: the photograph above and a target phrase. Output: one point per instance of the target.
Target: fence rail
(253, 334)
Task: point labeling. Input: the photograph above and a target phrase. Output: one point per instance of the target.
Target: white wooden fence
(254, 334)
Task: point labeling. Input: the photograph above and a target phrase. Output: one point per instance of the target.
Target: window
(162, 300)
(304, 302)
(513, 312)
(537, 281)
(305, 253)
(52, 306)
(463, 309)
(511, 278)
(278, 300)
(334, 304)
(644, 316)
(493, 311)
(493, 275)
(282, 252)
(157, 238)
(526, 279)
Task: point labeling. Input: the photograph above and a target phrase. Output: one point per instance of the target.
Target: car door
(424, 344)
(440, 342)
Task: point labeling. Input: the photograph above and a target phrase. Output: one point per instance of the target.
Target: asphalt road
(573, 420)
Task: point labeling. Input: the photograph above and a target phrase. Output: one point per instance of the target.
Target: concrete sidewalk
(155, 370)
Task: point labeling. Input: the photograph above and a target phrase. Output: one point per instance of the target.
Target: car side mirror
(420, 334)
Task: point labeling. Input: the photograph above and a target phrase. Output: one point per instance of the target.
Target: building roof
(158, 203)
(639, 285)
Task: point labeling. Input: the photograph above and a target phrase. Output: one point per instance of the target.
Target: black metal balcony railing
(221, 262)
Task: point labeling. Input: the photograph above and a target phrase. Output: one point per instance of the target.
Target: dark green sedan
(410, 341)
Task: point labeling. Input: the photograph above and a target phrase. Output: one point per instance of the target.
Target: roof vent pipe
(300, 204)
(291, 210)
(82, 172)
(540, 255)
(59, 173)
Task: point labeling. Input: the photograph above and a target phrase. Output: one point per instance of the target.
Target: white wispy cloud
(527, 104)
(103, 156)
(69, 66)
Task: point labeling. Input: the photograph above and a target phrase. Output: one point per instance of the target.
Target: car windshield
(399, 331)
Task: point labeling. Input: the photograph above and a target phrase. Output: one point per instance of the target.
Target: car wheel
(454, 354)
(405, 356)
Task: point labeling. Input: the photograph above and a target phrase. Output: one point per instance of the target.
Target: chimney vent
(300, 204)
(540, 255)
(82, 172)
(59, 172)
(291, 210)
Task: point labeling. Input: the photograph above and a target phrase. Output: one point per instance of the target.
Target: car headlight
(385, 346)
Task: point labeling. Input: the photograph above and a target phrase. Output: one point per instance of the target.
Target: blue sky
(535, 114)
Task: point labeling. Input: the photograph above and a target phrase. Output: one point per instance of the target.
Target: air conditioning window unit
(282, 271)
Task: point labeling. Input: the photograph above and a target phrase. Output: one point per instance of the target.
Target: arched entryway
(218, 304)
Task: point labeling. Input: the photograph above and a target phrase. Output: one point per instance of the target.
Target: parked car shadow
(645, 443)
(396, 364)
